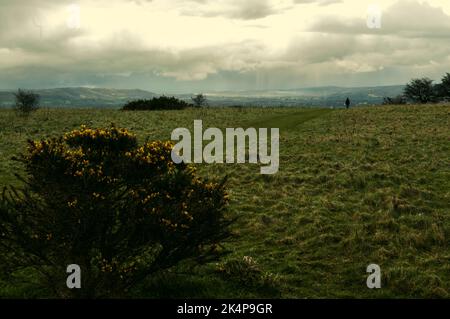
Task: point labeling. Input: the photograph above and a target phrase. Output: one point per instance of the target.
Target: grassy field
(355, 187)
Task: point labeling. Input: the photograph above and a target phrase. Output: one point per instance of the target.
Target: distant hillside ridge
(328, 96)
(81, 97)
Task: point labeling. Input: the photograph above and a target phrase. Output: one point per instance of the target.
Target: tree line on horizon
(423, 91)
(27, 102)
(419, 91)
(164, 103)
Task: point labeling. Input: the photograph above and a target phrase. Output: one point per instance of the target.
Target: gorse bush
(157, 103)
(121, 211)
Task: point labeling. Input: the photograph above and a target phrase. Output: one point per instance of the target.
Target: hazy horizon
(185, 46)
(192, 92)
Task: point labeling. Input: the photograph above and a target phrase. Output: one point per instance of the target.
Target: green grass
(355, 187)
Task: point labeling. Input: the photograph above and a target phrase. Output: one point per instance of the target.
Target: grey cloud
(411, 43)
(139, 2)
(319, 2)
(253, 10)
(367, 51)
(404, 18)
(123, 54)
(25, 18)
(243, 10)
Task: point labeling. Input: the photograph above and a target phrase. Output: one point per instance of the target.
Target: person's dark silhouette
(347, 103)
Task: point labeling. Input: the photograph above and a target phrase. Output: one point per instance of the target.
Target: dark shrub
(443, 89)
(420, 91)
(26, 102)
(120, 211)
(398, 100)
(200, 100)
(157, 103)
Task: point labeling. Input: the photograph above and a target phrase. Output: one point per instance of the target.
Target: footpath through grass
(289, 121)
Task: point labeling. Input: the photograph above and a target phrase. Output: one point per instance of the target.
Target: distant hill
(330, 96)
(81, 97)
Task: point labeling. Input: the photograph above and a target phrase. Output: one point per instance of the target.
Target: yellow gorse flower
(72, 203)
(89, 157)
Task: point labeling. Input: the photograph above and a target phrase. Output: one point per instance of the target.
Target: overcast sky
(205, 45)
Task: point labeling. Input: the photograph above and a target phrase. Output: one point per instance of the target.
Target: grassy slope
(368, 185)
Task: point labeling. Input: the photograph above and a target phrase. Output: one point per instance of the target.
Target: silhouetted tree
(442, 90)
(26, 102)
(199, 100)
(420, 90)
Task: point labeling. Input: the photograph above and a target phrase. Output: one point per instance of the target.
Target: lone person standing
(347, 103)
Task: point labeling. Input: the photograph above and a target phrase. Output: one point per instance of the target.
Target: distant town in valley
(328, 96)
